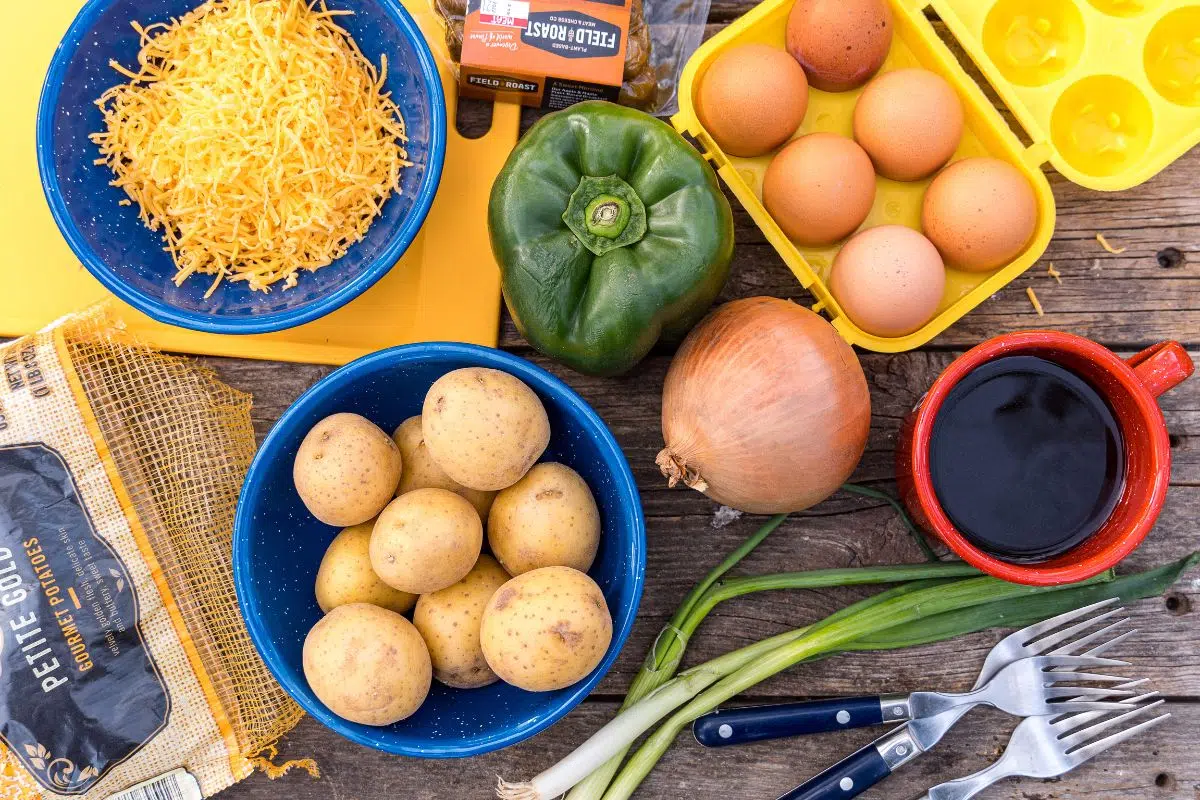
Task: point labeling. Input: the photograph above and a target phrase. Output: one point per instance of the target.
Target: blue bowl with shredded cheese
(278, 546)
(131, 261)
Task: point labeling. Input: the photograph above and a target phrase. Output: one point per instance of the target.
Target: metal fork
(1046, 747)
(1029, 687)
(874, 762)
(1049, 637)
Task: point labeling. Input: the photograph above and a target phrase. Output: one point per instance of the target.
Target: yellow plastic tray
(1109, 88)
(914, 44)
(446, 287)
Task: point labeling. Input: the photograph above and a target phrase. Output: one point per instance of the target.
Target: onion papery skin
(765, 408)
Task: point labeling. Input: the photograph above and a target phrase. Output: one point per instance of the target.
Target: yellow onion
(765, 408)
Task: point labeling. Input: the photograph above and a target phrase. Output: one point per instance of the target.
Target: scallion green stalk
(818, 641)
(621, 732)
(666, 654)
(1010, 610)
(662, 662)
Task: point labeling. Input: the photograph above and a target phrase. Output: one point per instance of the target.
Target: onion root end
(675, 469)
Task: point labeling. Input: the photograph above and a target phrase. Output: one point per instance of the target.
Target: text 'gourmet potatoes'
(546, 629)
(346, 470)
(345, 575)
(484, 427)
(426, 540)
(547, 519)
(368, 664)
(449, 620)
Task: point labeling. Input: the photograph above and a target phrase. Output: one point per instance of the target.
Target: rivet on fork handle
(852, 776)
(897, 748)
(895, 708)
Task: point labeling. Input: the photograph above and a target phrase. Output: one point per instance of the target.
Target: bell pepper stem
(605, 213)
(607, 216)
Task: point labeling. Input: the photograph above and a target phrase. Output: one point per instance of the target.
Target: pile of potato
(412, 507)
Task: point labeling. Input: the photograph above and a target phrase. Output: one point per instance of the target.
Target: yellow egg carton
(1099, 130)
(1108, 90)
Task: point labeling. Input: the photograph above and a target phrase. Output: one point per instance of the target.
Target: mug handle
(1162, 367)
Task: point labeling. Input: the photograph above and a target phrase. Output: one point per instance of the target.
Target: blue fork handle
(850, 777)
(755, 723)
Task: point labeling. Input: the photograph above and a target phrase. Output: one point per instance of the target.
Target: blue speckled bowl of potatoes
(278, 545)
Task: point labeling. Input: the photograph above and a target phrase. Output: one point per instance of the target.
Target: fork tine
(1077, 662)
(1038, 629)
(1080, 706)
(1069, 723)
(1053, 640)
(1111, 643)
(1095, 748)
(1089, 733)
(1085, 692)
(1055, 678)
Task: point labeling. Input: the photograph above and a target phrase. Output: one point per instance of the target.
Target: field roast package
(554, 53)
(123, 658)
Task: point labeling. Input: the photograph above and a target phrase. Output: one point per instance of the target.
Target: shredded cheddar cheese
(256, 136)
(1053, 273)
(1033, 298)
(1116, 251)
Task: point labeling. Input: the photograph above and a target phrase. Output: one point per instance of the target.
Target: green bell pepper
(610, 231)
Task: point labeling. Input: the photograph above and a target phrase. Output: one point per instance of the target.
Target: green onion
(622, 730)
(667, 652)
(620, 733)
(1024, 611)
(932, 606)
(820, 640)
(934, 621)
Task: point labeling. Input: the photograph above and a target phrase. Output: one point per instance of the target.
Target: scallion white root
(627, 726)
(515, 791)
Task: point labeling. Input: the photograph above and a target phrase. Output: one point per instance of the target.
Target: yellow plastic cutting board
(446, 287)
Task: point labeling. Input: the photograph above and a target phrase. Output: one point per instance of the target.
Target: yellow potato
(547, 519)
(484, 427)
(346, 470)
(345, 575)
(426, 540)
(368, 664)
(422, 472)
(449, 623)
(546, 629)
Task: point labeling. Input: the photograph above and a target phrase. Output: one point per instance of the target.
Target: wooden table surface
(1149, 292)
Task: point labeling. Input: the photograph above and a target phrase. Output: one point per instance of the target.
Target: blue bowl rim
(539, 379)
(161, 311)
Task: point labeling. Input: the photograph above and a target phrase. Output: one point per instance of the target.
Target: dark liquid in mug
(1027, 458)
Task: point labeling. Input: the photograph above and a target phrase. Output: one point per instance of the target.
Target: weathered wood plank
(1160, 765)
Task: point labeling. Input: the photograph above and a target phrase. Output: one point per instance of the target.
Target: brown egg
(909, 121)
(752, 99)
(980, 213)
(819, 188)
(889, 280)
(840, 43)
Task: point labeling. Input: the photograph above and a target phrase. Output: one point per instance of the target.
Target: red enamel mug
(1131, 389)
